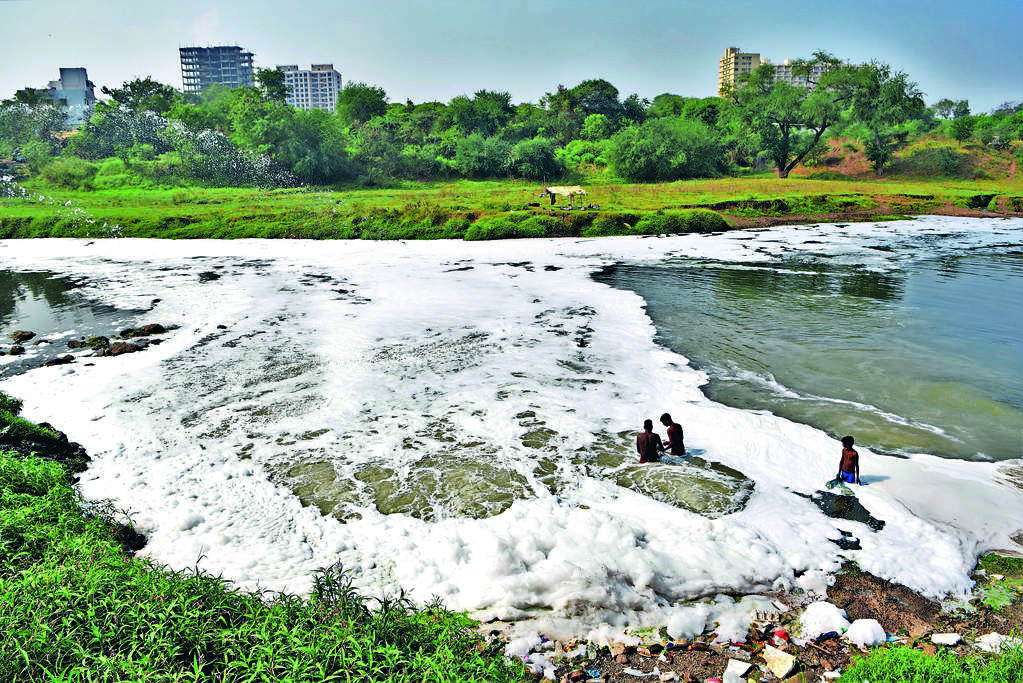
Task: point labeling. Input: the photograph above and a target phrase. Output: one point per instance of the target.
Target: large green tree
(791, 120)
(272, 84)
(882, 100)
(358, 103)
(667, 148)
(142, 94)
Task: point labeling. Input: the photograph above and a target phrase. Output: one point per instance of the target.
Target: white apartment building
(313, 88)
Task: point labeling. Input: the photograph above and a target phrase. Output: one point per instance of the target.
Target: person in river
(849, 465)
(676, 443)
(648, 444)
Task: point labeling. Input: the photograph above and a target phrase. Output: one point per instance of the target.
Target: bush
(666, 149)
(480, 157)
(504, 227)
(10, 404)
(692, 220)
(71, 173)
(535, 159)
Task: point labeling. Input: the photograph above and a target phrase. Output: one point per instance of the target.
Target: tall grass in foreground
(75, 607)
(900, 664)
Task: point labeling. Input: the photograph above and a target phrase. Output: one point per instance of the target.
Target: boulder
(16, 351)
(60, 360)
(780, 663)
(20, 336)
(153, 328)
(98, 342)
(75, 344)
(40, 341)
(120, 348)
(946, 639)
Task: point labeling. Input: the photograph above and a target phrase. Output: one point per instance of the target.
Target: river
(457, 419)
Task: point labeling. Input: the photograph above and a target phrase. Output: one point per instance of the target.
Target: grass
(77, 607)
(999, 593)
(433, 210)
(901, 664)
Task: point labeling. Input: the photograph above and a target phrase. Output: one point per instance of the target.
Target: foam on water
(452, 414)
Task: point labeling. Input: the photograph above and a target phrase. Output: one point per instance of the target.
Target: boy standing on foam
(675, 441)
(648, 444)
(849, 465)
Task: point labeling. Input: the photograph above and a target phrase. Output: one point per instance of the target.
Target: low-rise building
(313, 88)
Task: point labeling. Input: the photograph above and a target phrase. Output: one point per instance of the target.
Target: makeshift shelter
(569, 191)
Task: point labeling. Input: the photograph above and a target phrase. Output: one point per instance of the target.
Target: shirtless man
(648, 444)
(849, 465)
(675, 442)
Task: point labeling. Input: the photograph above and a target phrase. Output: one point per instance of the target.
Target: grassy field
(75, 606)
(900, 664)
(446, 210)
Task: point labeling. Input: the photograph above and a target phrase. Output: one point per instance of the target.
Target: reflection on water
(52, 307)
(924, 359)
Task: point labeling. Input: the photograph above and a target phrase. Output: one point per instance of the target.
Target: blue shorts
(846, 477)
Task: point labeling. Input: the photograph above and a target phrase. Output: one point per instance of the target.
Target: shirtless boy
(648, 444)
(849, 465)
(675, 440)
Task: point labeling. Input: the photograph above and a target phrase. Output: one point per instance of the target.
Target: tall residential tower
(314, 88)
(203, 66)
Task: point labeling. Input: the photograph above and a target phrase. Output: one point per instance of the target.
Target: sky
(967, 49)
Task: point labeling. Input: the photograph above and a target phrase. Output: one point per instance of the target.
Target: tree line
(250, 136)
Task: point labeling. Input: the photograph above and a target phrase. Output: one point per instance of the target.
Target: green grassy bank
(484, 209)
(75, 606)
(900, 664)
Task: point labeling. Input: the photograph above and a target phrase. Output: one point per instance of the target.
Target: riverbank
(78, 602)
(488, 209)
(100, 596)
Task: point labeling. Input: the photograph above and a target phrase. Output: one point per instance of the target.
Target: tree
(535, 159)
(358, 103)
(142, 94)
(480, 157)
(597, 96)
(961, 128)
(791, 120)
(665, 149)
(666, 104)
(272, 84)
(881, 101)
(486, 113)
(596, 127)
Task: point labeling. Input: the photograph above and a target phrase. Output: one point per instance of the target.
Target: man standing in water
(675, 441)
(649, 444)
(849, 465)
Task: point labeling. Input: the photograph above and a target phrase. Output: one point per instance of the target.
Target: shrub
(455, 228)
(666, 149)
(693, 220)
(480, 157)
(534, 159)
(74, 174)
(504, 227)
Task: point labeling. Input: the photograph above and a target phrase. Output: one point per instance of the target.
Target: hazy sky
(438, 49)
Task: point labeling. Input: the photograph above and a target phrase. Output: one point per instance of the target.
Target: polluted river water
(457, 419)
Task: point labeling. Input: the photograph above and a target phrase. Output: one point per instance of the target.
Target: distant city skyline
(438, 50)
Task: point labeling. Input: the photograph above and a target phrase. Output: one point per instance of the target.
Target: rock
(16, 351)
(98, 342)
(208, 276)
(577, 676)
(994, 642)
(20, 336)
(221, 327)
(621, 659)
(736, 671)
(119, 349)
(946, 639)
(618, 649)
(40, 341)
(60, 360)
(144, 331)
(866, 633)
(780, 663)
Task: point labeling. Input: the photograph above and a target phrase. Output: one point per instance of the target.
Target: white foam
(186, 434)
